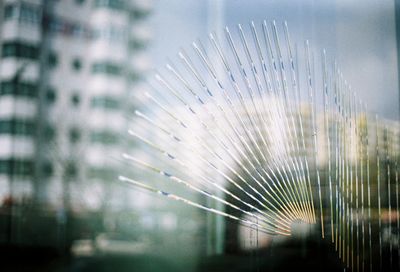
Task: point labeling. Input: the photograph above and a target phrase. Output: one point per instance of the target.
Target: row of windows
(137, 44)
(24, 89)
(102, 173)
(74, 134)
(105, 102)
(52, 61)
(27, 89)
(54, 25)
(19, 49)
(20, 167)
(24, 12)
(25, 167)
(17, 127)
(104, 137)
(112, 4)
(49, 133)
(51, 97)
(23, 50)
(110, 33)
(17, 167)
(71, 170)
(30, 13)
(138, 14)
(107, 68)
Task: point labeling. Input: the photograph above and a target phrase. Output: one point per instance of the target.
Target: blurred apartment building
(378, 137)
(342, 137)
(66, 71)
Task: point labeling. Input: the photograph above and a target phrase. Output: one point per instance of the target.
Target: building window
(52, 59)
(24, 12)
(12, 87)
(19, 49)
(71, 170)
(138, 14)
(104, 137)
(5, 167)
(47, 169)
(18, 167)
(49, 133)
(137, 44)
(74, 135)
(104, 173)
(64, 27)
(29, 13)
(75, 100)
(10, 12)
(106, 68)
(111, 33)
(105, 102)
(111, 4)
(134, 76)
(76, 64)
(51, 96)
(17, 127)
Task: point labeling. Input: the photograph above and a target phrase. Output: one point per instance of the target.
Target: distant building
(66, 71)
(385, 133)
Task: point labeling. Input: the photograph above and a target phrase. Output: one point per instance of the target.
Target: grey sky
(359, 34)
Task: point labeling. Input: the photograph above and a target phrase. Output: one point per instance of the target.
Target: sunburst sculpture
(273, 132)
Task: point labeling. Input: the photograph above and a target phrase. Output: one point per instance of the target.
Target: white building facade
(67, 69)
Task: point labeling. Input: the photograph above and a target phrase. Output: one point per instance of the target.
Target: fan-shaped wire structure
(271, 132)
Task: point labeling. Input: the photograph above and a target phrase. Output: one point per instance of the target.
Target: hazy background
(93, 222)
(360, 35)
